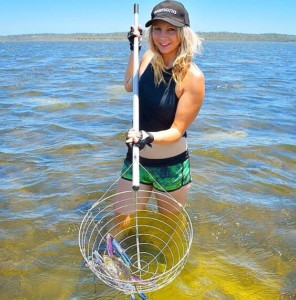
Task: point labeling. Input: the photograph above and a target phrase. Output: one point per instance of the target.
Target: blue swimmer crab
(118, 267)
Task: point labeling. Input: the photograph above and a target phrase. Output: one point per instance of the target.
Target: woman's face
(165, 37)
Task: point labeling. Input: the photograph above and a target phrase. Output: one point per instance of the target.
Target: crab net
(156, 243)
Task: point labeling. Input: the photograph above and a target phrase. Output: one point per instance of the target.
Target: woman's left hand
(139, 138)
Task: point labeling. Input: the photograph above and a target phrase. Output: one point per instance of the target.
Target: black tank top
(157, 103)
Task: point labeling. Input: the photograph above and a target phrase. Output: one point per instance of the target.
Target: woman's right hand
(135, 32)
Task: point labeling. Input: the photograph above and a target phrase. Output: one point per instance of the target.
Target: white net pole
(136, 162)
(136, 154)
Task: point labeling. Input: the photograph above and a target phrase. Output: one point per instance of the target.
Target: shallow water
(64, 115)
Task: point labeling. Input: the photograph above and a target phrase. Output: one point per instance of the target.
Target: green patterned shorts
(162, 178)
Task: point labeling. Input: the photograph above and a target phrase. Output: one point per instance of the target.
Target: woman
(171, 92)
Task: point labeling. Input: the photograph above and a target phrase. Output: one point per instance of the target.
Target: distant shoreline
(207, 36)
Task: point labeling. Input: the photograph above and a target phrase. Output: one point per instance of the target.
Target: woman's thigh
(125, 198)
(166, 205)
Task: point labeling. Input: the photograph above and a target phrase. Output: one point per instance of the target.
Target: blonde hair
(190, 45)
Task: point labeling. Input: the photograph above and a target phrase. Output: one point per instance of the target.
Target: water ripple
(64, 115)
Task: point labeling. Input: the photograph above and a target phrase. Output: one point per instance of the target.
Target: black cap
(172, 12)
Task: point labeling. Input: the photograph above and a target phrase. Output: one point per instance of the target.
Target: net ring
(157, 244)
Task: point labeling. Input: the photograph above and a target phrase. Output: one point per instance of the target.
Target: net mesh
(157, 244)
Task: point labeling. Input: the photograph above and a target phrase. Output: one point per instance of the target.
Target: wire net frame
(157, 244)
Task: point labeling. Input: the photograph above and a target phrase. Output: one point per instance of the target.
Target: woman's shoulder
(194, 72)
(146, 59)
(193, 77)
(148, 54)
(193, 81)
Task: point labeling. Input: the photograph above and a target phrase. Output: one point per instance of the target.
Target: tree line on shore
(207, 36)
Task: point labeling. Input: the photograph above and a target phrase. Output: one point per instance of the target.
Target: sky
(104, 16)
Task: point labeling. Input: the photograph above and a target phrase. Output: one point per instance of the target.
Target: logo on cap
(169, 10)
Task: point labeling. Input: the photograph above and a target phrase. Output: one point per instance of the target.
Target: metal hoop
(164, 240)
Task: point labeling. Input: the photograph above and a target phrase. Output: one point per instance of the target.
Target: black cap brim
(168, 20)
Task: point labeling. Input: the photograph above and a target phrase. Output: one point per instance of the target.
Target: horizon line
(122, 32)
